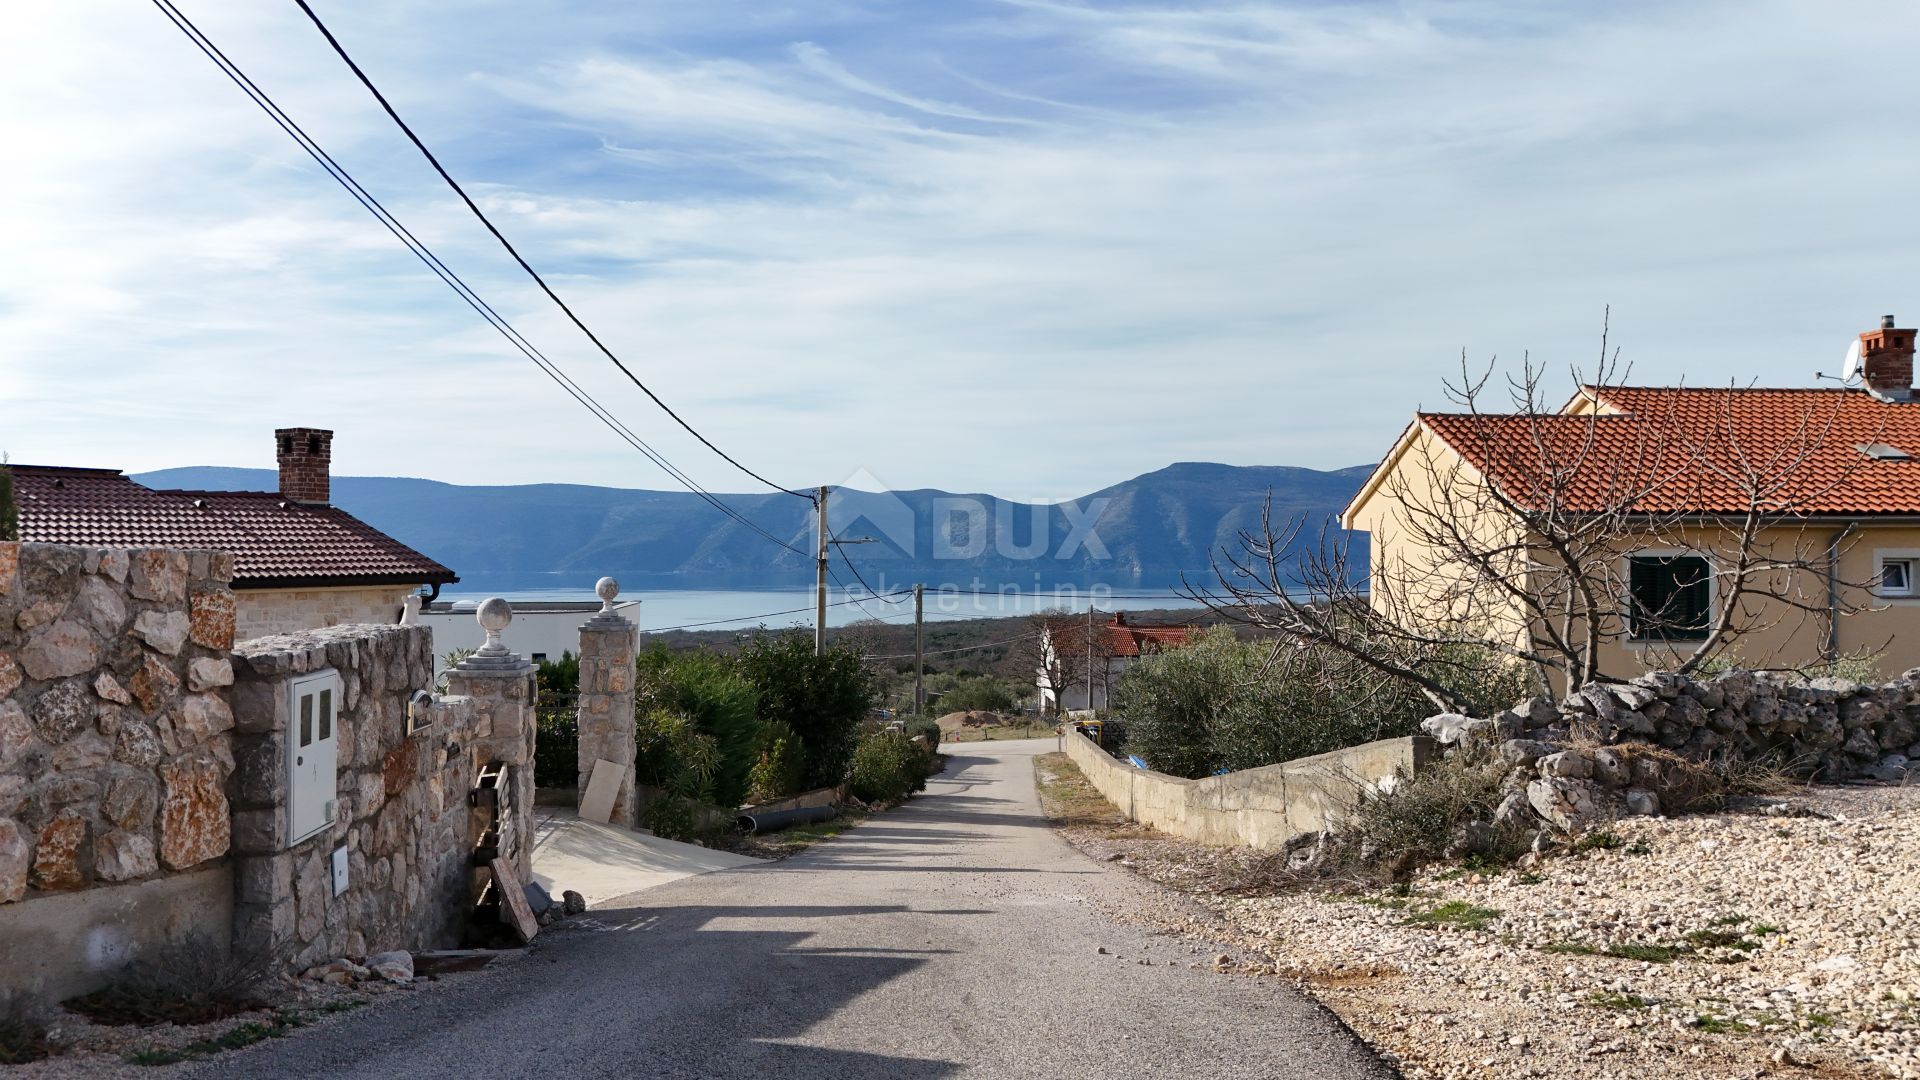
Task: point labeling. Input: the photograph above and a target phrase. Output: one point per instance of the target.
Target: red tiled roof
(1687, 449)
(1125, 639)
(275, 542)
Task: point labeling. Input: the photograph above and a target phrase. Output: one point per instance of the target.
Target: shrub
(821, 699)
(1222, 703)
(780, 767)
(710, 691)
(23, 1038)
(556, 753)
(926, 729)
(887, 766)
(9, 515)
(673, 817)
(1391, 833)
(188, 983)
(979, 693)
(670, 752)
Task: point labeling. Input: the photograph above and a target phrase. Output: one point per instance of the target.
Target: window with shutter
(1672, 597)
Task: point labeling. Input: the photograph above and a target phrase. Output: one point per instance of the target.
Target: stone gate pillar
(607, 645)
(501, 684)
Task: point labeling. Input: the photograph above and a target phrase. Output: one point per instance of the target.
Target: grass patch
(1607, 999)
(1528, 877)
(1761, 929)
(996, 732)
(1629, 950)
(281, 1022)
(1599, 840)
(779, 845)
(1455, 913)
(1068, 797)
(1721, 939)
(1716, 1025)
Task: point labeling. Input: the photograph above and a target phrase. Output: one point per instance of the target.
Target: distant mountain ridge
(1148, 532)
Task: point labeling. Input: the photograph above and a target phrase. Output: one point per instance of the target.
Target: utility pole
(820, 579)
(919, 654)
(1090, 656)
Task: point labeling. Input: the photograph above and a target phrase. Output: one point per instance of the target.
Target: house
(541, 630)
(300, 563)
(1791, 514)
(1117, 645)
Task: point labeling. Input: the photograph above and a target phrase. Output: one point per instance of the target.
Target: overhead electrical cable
(439, 268)
(742, 618)
(841, 548)
(524, 265)
(964, 648)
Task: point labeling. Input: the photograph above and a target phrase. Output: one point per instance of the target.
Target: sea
(725, 609)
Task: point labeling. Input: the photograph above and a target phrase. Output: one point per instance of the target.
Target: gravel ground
(1790, 943)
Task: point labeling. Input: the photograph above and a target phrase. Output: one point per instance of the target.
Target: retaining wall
(1264, 807)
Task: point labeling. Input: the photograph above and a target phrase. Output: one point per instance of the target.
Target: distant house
(299, 563)
(1117, 645)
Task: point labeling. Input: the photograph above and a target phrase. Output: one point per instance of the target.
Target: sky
(1023, 247)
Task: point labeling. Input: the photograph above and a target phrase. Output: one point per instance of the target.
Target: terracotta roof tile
(1683, 448)
(275, 542)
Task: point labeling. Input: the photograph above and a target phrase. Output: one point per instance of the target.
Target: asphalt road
(956, 935)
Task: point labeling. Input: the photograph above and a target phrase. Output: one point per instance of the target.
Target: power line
(863, 581)
(524, 265)
(743, 618)
(419, 249)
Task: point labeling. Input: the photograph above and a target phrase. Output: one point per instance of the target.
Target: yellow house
(1636, 527)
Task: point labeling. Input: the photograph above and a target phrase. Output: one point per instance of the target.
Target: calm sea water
(716, 609)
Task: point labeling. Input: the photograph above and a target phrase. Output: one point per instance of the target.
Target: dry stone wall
(1581, 760)
(115, 742)
(401, 808)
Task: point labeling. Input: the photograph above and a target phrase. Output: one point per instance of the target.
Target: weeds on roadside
(281, 1022)
(1621, 950)
(1455, 913)
(1607, 999)
(188, 983)
(23, 1038)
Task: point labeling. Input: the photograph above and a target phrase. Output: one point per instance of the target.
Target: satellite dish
(1850, 367)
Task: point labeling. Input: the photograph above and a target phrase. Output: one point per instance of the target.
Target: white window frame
(1910, 556)
(1626, 609)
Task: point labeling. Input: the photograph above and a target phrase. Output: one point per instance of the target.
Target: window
(1672, 595)
(1896, 577)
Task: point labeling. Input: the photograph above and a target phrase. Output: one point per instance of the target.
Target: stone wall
(1265, 807)
(1581, 760)
(288, 611)
(114, 743)
(605, 717)
(401, 812)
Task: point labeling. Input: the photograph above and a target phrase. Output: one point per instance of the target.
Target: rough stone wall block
(607, 646)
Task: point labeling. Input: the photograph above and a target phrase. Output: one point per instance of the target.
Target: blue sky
(1023, 247)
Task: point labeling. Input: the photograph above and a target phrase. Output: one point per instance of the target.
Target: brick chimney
(1886, 361)
(306, 460)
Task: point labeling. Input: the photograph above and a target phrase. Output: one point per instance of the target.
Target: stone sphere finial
(493, 615)
(606, 589)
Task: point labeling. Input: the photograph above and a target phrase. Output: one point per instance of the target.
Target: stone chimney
(1886, 362)
(306, 459)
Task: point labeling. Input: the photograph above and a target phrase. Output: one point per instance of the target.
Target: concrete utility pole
(1089, 656)
(919, 654)
(820, 580)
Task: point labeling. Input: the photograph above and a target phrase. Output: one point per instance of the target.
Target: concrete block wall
(1264, 807)
(401, 810)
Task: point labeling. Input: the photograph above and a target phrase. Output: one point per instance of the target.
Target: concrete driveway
(954, 936)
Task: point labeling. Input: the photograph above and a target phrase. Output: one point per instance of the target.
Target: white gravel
(1802, 947)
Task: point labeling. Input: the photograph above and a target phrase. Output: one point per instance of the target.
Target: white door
(312, 754)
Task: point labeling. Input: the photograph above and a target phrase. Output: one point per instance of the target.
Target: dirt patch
(1754, 942)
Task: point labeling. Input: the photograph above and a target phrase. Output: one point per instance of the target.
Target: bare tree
(1677, 521)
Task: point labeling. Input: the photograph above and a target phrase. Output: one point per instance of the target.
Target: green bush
(9, 515)
(887, 766)
(780, 767)
(1222, 703)
(926, 729)
(556, 753)
(820, 699)
(979, 693)
(710, 691)
(673, 817)
(671, 752)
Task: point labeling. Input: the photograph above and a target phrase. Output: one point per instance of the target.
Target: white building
(1117, 644)
(541, 630)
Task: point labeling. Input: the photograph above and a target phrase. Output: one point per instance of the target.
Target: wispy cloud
(1020, 246)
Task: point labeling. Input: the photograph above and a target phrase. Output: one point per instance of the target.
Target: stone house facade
(299, 563)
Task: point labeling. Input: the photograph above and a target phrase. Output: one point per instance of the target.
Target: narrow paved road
(954, 936)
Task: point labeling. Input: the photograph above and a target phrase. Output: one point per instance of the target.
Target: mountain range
(1143, 533)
